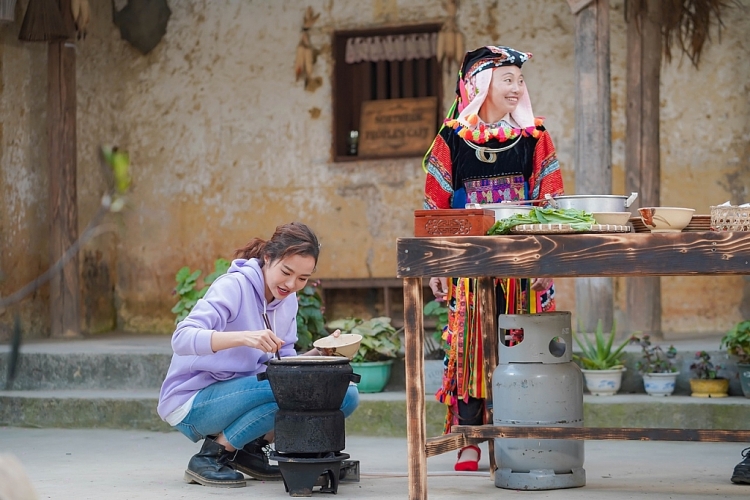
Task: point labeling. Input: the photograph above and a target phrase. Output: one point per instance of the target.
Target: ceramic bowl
(503, 210)
(666, 219)
(346, 344)
(616, 218)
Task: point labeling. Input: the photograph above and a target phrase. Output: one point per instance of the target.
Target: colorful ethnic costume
(475, 162)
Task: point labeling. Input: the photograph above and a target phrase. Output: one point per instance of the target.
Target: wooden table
(555, 256)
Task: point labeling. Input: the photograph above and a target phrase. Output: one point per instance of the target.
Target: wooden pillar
(642, 165)
(63, 210)
(416, 427)
(593, 148)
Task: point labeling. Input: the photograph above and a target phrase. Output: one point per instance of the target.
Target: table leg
(416, 432)
(488, 306)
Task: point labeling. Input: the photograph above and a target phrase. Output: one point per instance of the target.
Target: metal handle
(630, 199)
(551, 200)
(355, 377)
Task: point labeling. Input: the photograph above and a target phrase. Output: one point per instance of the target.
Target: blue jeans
(242, 408)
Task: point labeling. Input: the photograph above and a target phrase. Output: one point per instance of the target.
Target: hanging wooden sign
(397, 127)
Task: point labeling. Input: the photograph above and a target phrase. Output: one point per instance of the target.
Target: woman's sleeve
(546, 177)
(438, 188)
(210, 314)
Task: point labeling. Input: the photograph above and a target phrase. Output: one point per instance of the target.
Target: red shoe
(468, 465)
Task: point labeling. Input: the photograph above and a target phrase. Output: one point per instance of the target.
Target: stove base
(300, 474)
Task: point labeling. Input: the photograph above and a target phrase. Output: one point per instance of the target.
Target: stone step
(381, 414)
(140, 362)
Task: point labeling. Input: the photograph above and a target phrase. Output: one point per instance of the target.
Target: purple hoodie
(234, 302)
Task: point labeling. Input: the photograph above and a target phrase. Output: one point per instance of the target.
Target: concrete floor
(130, 465)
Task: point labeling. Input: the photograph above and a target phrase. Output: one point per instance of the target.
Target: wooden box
(454, 222)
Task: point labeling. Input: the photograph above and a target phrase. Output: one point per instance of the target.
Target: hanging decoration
(450, 41)
(390, 47)
(684, 23)
(306, 54)
(81, 11)
(43, 22)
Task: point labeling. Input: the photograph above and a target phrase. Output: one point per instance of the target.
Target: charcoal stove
(309, 426)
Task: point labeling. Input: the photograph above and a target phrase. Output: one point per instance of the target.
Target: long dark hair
(294, 238)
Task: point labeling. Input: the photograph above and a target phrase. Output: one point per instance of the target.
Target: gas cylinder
(536, 383)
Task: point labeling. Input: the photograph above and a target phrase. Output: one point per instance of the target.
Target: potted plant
(659, 368)
(737, 343)
(707, 383)
(377, 351)
(434, 346)
(600, 363)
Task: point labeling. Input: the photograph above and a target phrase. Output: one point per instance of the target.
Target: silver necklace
(489, 155)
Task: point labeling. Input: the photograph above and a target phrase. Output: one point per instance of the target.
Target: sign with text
(397, 127)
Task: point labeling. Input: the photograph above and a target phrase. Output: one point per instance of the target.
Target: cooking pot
(309, 383)
(593, 203)
(503, 210)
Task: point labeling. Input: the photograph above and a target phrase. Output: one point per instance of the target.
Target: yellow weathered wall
(225, 145)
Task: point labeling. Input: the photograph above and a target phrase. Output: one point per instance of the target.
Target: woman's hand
(263, 340)
(439, 287)
(541, 284)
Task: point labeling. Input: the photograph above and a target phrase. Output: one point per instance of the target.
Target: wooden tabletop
(576, 255)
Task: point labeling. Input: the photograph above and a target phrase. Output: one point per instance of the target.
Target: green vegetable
(577, 219)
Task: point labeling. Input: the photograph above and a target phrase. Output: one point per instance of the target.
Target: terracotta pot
(709, 388)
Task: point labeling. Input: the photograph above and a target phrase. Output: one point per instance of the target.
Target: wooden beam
(445, 443)
(642, 164)
(416, 426)
(63, 210)
(577, 255)
(593, 153)
(604, 433)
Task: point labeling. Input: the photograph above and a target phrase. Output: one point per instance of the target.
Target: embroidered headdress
(472, 88)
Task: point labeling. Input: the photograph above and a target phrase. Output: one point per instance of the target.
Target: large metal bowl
(594, 203)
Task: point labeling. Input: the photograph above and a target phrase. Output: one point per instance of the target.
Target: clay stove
(309, 426)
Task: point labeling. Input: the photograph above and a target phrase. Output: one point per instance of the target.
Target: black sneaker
(741, 474)
(252, 459)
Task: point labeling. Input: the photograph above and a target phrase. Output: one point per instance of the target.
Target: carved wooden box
(454, 222)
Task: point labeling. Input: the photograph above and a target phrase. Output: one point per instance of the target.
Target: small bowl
(615, 218)
(346, 344)
(503, 210)
(666, 219)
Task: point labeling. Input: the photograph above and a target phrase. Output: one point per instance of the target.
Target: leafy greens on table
(577, 219)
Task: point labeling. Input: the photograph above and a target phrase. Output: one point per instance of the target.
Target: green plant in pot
(658, 367)
(707, 382)
(600, 362)
(378, 349)
(737, 343)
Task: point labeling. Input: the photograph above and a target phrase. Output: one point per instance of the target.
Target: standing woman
(490, 149)
(211, 391)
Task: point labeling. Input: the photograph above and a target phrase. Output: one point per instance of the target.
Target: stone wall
(225, 145)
